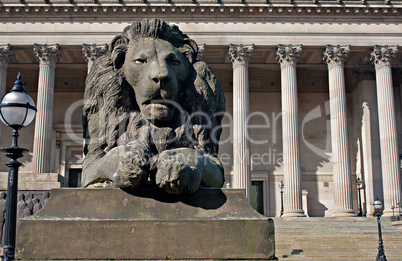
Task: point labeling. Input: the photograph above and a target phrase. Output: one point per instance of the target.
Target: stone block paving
(342, 239)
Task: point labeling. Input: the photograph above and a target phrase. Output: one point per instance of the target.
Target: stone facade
(317, 122)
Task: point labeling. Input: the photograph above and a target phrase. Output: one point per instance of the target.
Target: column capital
(93, 51)
(5, 54)
(201, 51)
(288, 55)
(240, 54)
(47, 54)
(382, 56)
(336, 55)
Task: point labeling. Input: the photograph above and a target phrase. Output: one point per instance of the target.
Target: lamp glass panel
(377, 204)
(14, 115)
(31, 113)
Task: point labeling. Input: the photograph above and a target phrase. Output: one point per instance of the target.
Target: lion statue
(152, 113)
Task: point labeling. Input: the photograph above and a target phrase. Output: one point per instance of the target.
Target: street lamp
(378, 212)
(17, 110)
(359, 187)
(281, 185)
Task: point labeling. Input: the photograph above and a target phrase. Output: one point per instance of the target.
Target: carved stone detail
(383, 55)
(5, 54)
(240, 54)
(288, 55)
(47, 54)
(93, 51)
(336, 55)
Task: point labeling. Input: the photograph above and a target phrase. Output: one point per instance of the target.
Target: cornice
(221, 7)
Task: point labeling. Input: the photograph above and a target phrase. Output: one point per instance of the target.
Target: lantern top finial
(18, 84)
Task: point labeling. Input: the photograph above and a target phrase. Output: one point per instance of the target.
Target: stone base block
(112, 224)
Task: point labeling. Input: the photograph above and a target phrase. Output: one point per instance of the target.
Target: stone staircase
(335, 239)
(32, 181)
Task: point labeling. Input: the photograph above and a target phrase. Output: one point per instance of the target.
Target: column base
(293, 213)
(388, 213)
(344, 213)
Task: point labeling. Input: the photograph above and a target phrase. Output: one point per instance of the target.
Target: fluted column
(48, 56)
(201, 51)
(335, 57)
(5, 53)
(382, 56)
(287, 56)
(92, 52)
(240, 55)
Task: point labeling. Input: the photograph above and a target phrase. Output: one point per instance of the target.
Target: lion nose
(159, 73)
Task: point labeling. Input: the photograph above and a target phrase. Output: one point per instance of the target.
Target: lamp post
(17, 110)
(378, 212)
(359, 188)
(281, 185)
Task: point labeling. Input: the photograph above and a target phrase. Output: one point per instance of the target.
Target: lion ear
(118, 48)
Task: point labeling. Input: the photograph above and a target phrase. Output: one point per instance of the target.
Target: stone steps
(335, 239)
(32, 181)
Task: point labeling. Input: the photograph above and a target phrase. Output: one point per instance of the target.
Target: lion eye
(140, 60)
(174, 62)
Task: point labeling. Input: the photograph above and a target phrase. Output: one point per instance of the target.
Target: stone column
(382, 57)
(201, 51)
(92, 52)
(287, 56)
(372, 182)
(5, 53)
(48, 56)
(240, 55)
(335, 57)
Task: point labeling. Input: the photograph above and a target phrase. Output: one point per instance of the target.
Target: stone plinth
(112, 224)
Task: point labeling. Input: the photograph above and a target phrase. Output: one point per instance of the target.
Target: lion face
(156, 70)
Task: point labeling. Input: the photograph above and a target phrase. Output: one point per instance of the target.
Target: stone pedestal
(112, 224)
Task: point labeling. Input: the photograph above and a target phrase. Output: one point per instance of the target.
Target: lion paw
(132, 170)
(179, 171)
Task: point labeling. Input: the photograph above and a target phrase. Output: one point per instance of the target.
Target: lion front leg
(132, 170)
(125, 167)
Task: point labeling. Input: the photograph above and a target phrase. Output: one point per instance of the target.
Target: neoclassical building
(313, 92)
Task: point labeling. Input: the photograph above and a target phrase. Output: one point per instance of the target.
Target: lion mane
(111, 116)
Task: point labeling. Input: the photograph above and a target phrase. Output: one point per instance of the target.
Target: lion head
(149, 87)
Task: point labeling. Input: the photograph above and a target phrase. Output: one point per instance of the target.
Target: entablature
(296, 8)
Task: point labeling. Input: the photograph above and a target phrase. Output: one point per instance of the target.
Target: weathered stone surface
(112, 224)
(150, 88)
